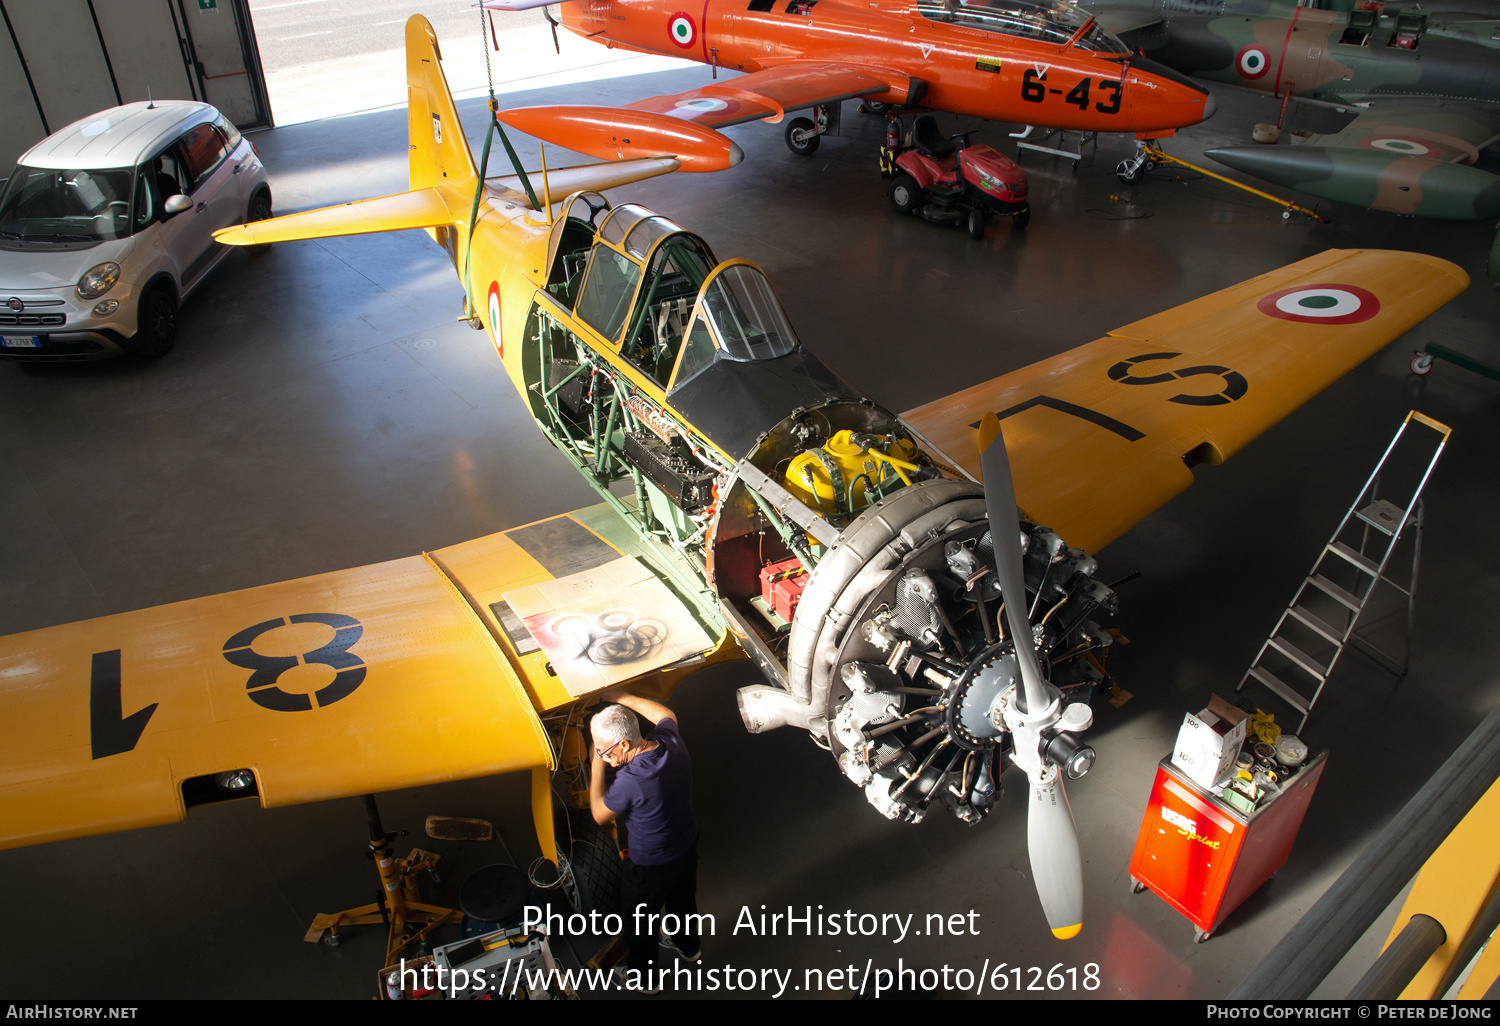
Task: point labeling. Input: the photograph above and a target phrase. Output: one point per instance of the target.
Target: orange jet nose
(1162, 99)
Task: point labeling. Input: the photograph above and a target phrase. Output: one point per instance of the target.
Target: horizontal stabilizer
(1377, 178)
(622, 134)
(515, 5)
(423, 208)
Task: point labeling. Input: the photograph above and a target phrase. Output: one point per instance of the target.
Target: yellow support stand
(398, 907)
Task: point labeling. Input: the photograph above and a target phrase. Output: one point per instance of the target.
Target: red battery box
(781, 586)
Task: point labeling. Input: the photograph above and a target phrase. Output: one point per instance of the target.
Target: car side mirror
(177, 204)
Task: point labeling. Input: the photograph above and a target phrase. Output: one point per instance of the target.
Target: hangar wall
(61, 60)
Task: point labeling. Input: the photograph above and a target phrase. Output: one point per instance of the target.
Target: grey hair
(613, 725)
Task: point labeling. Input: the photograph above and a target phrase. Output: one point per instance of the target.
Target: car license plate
(20, 341)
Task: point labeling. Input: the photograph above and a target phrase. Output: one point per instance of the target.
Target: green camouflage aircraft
(1424, 80)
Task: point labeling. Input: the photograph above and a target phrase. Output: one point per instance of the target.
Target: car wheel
(801, 137)
(1022, 218)
(906, 194)
(976, 223)
(260, 210)
(156, 324)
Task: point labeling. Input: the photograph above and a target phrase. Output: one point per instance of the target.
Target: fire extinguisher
(892, 134)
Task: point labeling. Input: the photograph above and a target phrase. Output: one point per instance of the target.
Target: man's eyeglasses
(602, 752)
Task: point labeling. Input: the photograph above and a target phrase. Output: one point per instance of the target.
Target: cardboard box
(1208, 743)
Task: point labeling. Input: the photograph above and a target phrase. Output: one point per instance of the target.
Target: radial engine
(859, 572)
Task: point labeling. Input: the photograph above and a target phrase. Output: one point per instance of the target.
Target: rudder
(438, 150)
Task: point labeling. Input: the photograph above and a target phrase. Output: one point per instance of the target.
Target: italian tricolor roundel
(1403, 147)
(1252, 61)
(682, 30)
(494, 312)
(1322, 304)
(702, 104)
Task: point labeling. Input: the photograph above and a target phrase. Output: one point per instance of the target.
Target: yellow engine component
(836, 478)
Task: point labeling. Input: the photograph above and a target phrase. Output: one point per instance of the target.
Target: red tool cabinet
(1204, 857)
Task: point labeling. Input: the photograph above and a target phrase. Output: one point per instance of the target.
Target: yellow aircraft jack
(1152, 155)
(398, 907)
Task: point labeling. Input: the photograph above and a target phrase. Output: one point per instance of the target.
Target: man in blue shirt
(652, 796)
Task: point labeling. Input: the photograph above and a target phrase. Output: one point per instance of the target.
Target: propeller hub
(1067, 752)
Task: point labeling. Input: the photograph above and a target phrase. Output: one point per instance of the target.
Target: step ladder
(1298, 658)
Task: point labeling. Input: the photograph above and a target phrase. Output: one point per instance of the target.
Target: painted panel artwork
(607, 625)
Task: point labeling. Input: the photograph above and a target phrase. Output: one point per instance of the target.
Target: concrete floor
(324, 409)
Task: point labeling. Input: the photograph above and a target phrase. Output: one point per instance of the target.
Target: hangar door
(62, 60)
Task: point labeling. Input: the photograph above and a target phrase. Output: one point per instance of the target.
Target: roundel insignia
(1252, 61)
(1399, 146)
(1321, 304)
(702, 104)
(494, 312)
(682, 30)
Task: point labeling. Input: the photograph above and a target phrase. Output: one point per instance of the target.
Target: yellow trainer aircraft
(754, 504)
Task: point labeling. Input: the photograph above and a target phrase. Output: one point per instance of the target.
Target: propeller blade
(1056, 862)
(1000, 504)
(1051, 835)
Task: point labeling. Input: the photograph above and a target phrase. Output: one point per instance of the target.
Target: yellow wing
(1103, 435)
(394, 675)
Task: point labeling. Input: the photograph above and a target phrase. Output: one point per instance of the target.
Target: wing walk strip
(554, 548)
(562, 546)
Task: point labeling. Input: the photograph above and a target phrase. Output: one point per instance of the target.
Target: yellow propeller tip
(989, 428)
(1067, 932)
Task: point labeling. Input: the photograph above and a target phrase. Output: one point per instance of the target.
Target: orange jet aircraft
(1045, 63)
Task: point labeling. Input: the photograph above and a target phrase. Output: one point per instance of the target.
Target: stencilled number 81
(349, 669)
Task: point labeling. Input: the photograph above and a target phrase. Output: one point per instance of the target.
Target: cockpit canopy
(1050, 21)
(738, 318)
(712, 336)
(660, 294)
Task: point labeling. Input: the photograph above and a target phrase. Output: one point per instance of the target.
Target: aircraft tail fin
(445, 179)
(438, 151)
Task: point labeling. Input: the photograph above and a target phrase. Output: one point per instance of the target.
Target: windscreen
(48, 205)
(608, 288)
(747, 317)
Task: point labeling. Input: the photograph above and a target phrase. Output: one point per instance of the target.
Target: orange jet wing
(399, 674)
(769, 94)
(1102, 435)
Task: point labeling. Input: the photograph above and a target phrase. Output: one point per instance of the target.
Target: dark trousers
(673, 885)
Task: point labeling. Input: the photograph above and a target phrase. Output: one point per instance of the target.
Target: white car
(107, 226)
